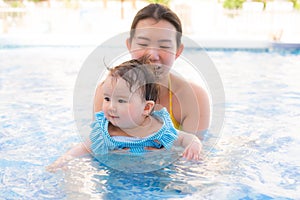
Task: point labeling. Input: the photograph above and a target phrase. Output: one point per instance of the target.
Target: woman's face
(158, 40)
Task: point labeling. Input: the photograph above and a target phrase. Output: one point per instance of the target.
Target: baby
(128, 120)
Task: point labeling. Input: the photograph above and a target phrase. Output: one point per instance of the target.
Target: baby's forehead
(119, 84)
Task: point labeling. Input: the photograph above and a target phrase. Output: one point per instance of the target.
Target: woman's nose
(153, 54)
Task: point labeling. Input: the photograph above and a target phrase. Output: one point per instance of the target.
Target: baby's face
(122, 107)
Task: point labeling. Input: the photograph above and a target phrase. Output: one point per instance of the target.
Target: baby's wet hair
(138, 74)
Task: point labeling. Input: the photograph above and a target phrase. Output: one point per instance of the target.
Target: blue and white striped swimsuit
(102, 142)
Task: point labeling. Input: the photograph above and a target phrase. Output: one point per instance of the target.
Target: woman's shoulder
(183, 87)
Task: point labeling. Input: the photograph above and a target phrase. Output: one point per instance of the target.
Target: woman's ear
(149, 107)
(128, 43)
(179, 51)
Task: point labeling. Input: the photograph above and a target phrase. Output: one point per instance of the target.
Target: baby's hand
(60, 163)
(192, 152)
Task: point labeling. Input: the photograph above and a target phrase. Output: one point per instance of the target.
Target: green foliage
(164, 2)
(15, 3)
(296, 4)
(233, 4)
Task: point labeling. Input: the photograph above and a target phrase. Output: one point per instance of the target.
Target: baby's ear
(149, 107)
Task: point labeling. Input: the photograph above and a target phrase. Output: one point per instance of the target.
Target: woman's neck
(164, 81)
(163, 99)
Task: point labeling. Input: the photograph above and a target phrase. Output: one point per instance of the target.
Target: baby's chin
(113, 122)
(122, 126)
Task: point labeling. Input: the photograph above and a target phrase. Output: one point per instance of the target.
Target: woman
(156, 30)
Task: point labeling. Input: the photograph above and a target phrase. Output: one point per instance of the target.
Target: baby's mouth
(113, 117)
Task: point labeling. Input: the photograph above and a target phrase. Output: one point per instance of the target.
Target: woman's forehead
(153, 27)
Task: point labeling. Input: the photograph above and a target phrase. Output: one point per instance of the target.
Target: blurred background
(265, 20)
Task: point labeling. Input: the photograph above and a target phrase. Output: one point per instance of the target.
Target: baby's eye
(106, 99)
(122, 101)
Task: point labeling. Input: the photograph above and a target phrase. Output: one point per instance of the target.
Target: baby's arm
(192, 144)
(78, 150)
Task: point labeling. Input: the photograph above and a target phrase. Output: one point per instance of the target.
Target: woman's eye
(142, 44)
(106, 99)
(165, 47)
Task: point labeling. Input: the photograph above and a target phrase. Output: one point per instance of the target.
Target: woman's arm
(78, 150)
(192, 144)
(196, 109)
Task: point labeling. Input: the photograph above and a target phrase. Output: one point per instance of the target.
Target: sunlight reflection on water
(255, 158)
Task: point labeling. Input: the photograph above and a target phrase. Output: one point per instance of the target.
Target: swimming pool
(256, 156)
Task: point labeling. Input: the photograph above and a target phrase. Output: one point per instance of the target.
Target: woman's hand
(193, 150)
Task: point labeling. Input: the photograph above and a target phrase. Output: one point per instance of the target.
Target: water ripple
(256, 156)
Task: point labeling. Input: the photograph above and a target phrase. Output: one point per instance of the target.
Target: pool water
(256, 156)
